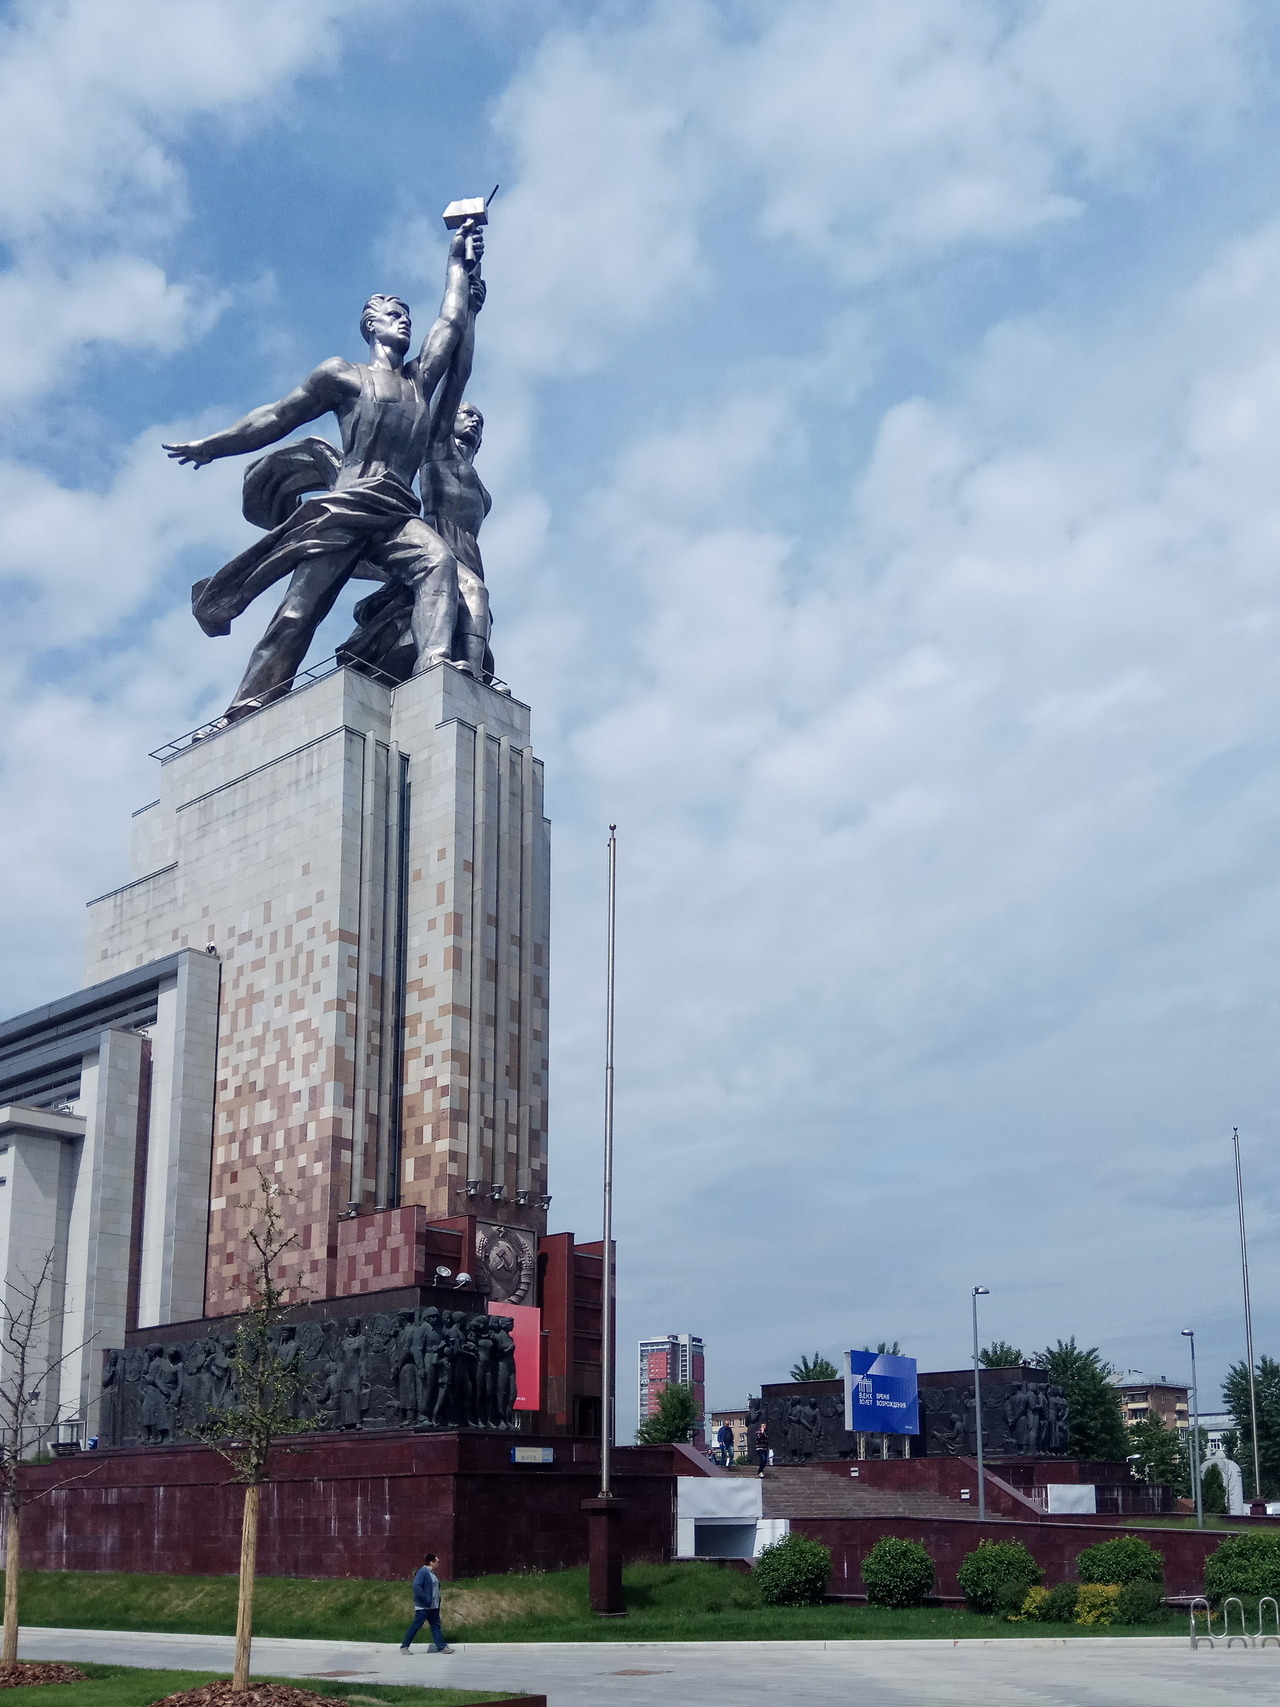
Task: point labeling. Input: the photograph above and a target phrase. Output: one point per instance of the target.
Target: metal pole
(978, 1291)
(606, 1378)
(1190, 1334)
(1248, 1318)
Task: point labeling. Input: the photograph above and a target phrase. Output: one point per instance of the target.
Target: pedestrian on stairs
(762, 1447)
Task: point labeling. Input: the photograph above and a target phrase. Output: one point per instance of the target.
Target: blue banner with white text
(880, 1393)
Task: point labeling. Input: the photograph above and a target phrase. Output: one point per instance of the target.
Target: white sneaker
(445, 1650)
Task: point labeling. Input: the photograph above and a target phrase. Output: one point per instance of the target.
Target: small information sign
(533, 1454)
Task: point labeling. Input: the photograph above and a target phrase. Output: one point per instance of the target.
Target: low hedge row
(1127, 1574)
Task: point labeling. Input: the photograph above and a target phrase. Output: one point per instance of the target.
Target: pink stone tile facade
(382, 1250)
(280, 844)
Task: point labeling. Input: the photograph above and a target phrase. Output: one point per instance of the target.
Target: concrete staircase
(803, 1491)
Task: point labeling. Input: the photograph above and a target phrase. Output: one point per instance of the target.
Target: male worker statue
(370, 515)
(454, 504)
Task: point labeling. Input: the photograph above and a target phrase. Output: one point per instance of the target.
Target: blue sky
(882, 402)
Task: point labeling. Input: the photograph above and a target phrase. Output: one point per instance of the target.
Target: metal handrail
(304, 679)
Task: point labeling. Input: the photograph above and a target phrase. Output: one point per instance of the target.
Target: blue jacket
(426, 1588)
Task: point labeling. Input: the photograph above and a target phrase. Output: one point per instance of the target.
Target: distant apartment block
(1142, 1399)
(666, 1359)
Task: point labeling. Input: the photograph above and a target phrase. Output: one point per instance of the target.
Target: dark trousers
(762, 1456)
(424, 1615)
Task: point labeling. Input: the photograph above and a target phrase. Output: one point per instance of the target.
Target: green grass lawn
(679, 1602)
(128, 1686)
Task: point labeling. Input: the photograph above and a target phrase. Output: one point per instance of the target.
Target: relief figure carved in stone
(424, 1368)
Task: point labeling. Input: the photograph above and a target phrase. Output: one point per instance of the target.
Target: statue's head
(468, 427)
(386, 318)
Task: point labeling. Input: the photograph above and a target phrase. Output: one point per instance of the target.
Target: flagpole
(606, 1381)
(1248, 1318)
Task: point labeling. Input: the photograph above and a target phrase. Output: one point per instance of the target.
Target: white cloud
(957, 838)
(93, 96)
(876, 136)
(121, 300)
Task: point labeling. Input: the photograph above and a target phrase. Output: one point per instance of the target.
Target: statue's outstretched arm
(324, 388)
(465, 250)
(449, 398)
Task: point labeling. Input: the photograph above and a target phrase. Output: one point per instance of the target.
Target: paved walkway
(1021, 1672)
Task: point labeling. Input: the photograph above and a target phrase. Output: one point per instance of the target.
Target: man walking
(725, 1437)
(426, 1606)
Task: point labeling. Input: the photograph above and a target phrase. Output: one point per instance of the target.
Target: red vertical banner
(527, 1334)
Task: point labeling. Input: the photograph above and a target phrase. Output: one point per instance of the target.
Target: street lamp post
(978, 1292)
(1190, 1334)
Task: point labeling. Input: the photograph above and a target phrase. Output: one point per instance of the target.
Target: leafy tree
(1213, 1492)
(1000, 1355)
(675, 1418)
(1235, 1394)
(894, 1350)
(267, 1390)
(1163, 1453)
(815, 1368)
(1097, 1423)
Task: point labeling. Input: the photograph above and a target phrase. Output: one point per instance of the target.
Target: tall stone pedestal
(371, 867)
(604, 1556)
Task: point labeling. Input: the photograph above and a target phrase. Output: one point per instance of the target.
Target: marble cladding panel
(474, 1109)
(282, 857)
(382, 1250)
(288, 928)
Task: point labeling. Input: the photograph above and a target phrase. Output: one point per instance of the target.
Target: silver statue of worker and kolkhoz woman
(331, 517)
(425, 1368)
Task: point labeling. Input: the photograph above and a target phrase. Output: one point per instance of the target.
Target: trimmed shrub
(1096, 1603)
(1060, 1606)
(1244, 1564)
(793, 1572)
(897, 1572)
(994, 1566)
(1128, 1559)
(1032, 1609)
(1010, 1597)
(1139, 1603)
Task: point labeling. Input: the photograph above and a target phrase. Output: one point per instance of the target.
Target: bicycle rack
(1272, 1635)
(1257, 1639)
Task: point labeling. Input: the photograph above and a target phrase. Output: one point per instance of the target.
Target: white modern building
(106, 1112)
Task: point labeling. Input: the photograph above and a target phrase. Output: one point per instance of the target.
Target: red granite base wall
(1053, 1544)
(357, 1506)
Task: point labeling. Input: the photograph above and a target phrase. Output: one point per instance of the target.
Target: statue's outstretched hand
(193, 453)
(467, 243)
